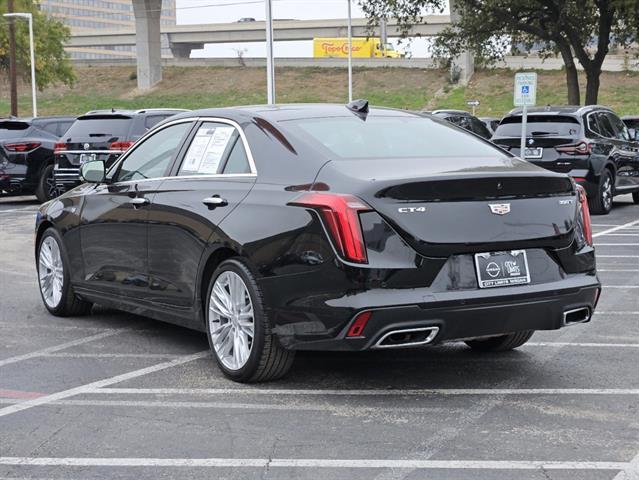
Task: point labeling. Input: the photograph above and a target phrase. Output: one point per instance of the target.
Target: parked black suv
(464, 120)
(591, 144)
(26, 154)
(102, 135)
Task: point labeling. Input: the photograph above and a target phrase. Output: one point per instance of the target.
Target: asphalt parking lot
(113, 395)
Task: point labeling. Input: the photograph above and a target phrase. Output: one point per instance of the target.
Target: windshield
(391, 137)
(389, 46)
(99, 127)
(540, 125)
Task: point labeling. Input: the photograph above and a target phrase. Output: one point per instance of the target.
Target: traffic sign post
(525, 96)
(473, 104)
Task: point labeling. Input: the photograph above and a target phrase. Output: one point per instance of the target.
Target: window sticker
(215, 150)
(207, 149)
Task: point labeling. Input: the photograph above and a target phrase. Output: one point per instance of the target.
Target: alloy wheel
(606, 193)
(50, 187)
(50, 272)
(231, 320)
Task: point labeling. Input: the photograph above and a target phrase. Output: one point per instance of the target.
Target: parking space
(115, 395)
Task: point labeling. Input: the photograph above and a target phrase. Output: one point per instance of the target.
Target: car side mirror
(93, 172)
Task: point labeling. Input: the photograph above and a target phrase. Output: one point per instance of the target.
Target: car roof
(630, 117)
(142, 111)
(296, 111)
(38, 119)
(559, 110)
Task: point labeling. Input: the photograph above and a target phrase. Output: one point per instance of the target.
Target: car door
(114, 216)
(214, 174)
(627, 155)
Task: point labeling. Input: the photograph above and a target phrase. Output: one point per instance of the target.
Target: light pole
(29, 17)
(350, 54)
(270, 68)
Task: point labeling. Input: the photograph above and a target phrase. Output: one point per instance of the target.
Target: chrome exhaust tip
(410, 337)
(577, 315)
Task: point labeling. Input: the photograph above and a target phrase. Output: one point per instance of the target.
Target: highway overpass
(184, 38)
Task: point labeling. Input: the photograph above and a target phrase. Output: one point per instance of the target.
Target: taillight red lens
(581, 148)
(358, 324)
(121, 146)
(585, 214)
(341, 218)
(22, 147)
(59, 147)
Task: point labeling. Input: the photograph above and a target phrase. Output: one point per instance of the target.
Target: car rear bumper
(457, 315)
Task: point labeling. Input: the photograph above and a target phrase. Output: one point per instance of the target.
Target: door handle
(215, 201)
(139, 201)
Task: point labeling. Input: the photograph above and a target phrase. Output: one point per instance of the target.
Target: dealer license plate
(502, 269)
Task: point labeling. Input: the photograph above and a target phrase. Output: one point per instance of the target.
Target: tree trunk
(593, 75)
(572, 78)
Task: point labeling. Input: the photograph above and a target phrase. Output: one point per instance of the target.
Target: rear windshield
(10, 129)
(99, 127)
(632, 123)
(391, 137)
(536, 125)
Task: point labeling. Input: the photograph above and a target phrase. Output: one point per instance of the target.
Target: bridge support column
(148, 42)
(183, 50)
(462, 66)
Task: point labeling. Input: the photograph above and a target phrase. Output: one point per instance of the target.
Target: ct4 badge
(499, 208)
(411, 209)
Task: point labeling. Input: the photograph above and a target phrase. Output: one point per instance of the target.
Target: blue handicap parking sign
(525, 89)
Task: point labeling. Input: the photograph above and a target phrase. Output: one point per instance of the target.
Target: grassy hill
(201, 87)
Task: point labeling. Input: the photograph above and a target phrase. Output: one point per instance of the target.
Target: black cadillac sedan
(321, 227)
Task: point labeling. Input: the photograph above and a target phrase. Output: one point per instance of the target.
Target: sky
(222, 11)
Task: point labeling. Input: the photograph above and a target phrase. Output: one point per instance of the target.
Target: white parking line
(617, 256)
(617, 313)
(112, 355)
(363, 392)
(622, 234)
(357, 463)
(62, 346)
(618, 270)
(620, 286)
(26, 209)
(630, 471)
(100, 383)
(615, 228)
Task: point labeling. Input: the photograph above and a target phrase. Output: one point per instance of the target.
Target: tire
(46, 189)
(63, 302)
(635, 197)
(502, 343)
(601, 203)
(266, 359)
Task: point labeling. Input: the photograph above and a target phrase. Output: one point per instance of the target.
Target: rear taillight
(22, 147)
(340, 214)
(120, 146)
(59, 147)
(581, 148)
(584, 225)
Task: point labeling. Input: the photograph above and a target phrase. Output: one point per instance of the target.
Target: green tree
(51, 61)
(581, 30)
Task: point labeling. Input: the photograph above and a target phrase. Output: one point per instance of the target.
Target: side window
(621, 132)
(152, 120)
(62, 128)
(50, 127)
(593, 125)
(152, 158)
(216, 148)
(605, 127)
(237, 161)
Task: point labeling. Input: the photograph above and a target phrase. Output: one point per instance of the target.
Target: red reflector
(22, 147)
(121, 146)
(579, 179)
(585, 214)
(341, 218)
(59, 147)
(358, 325)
